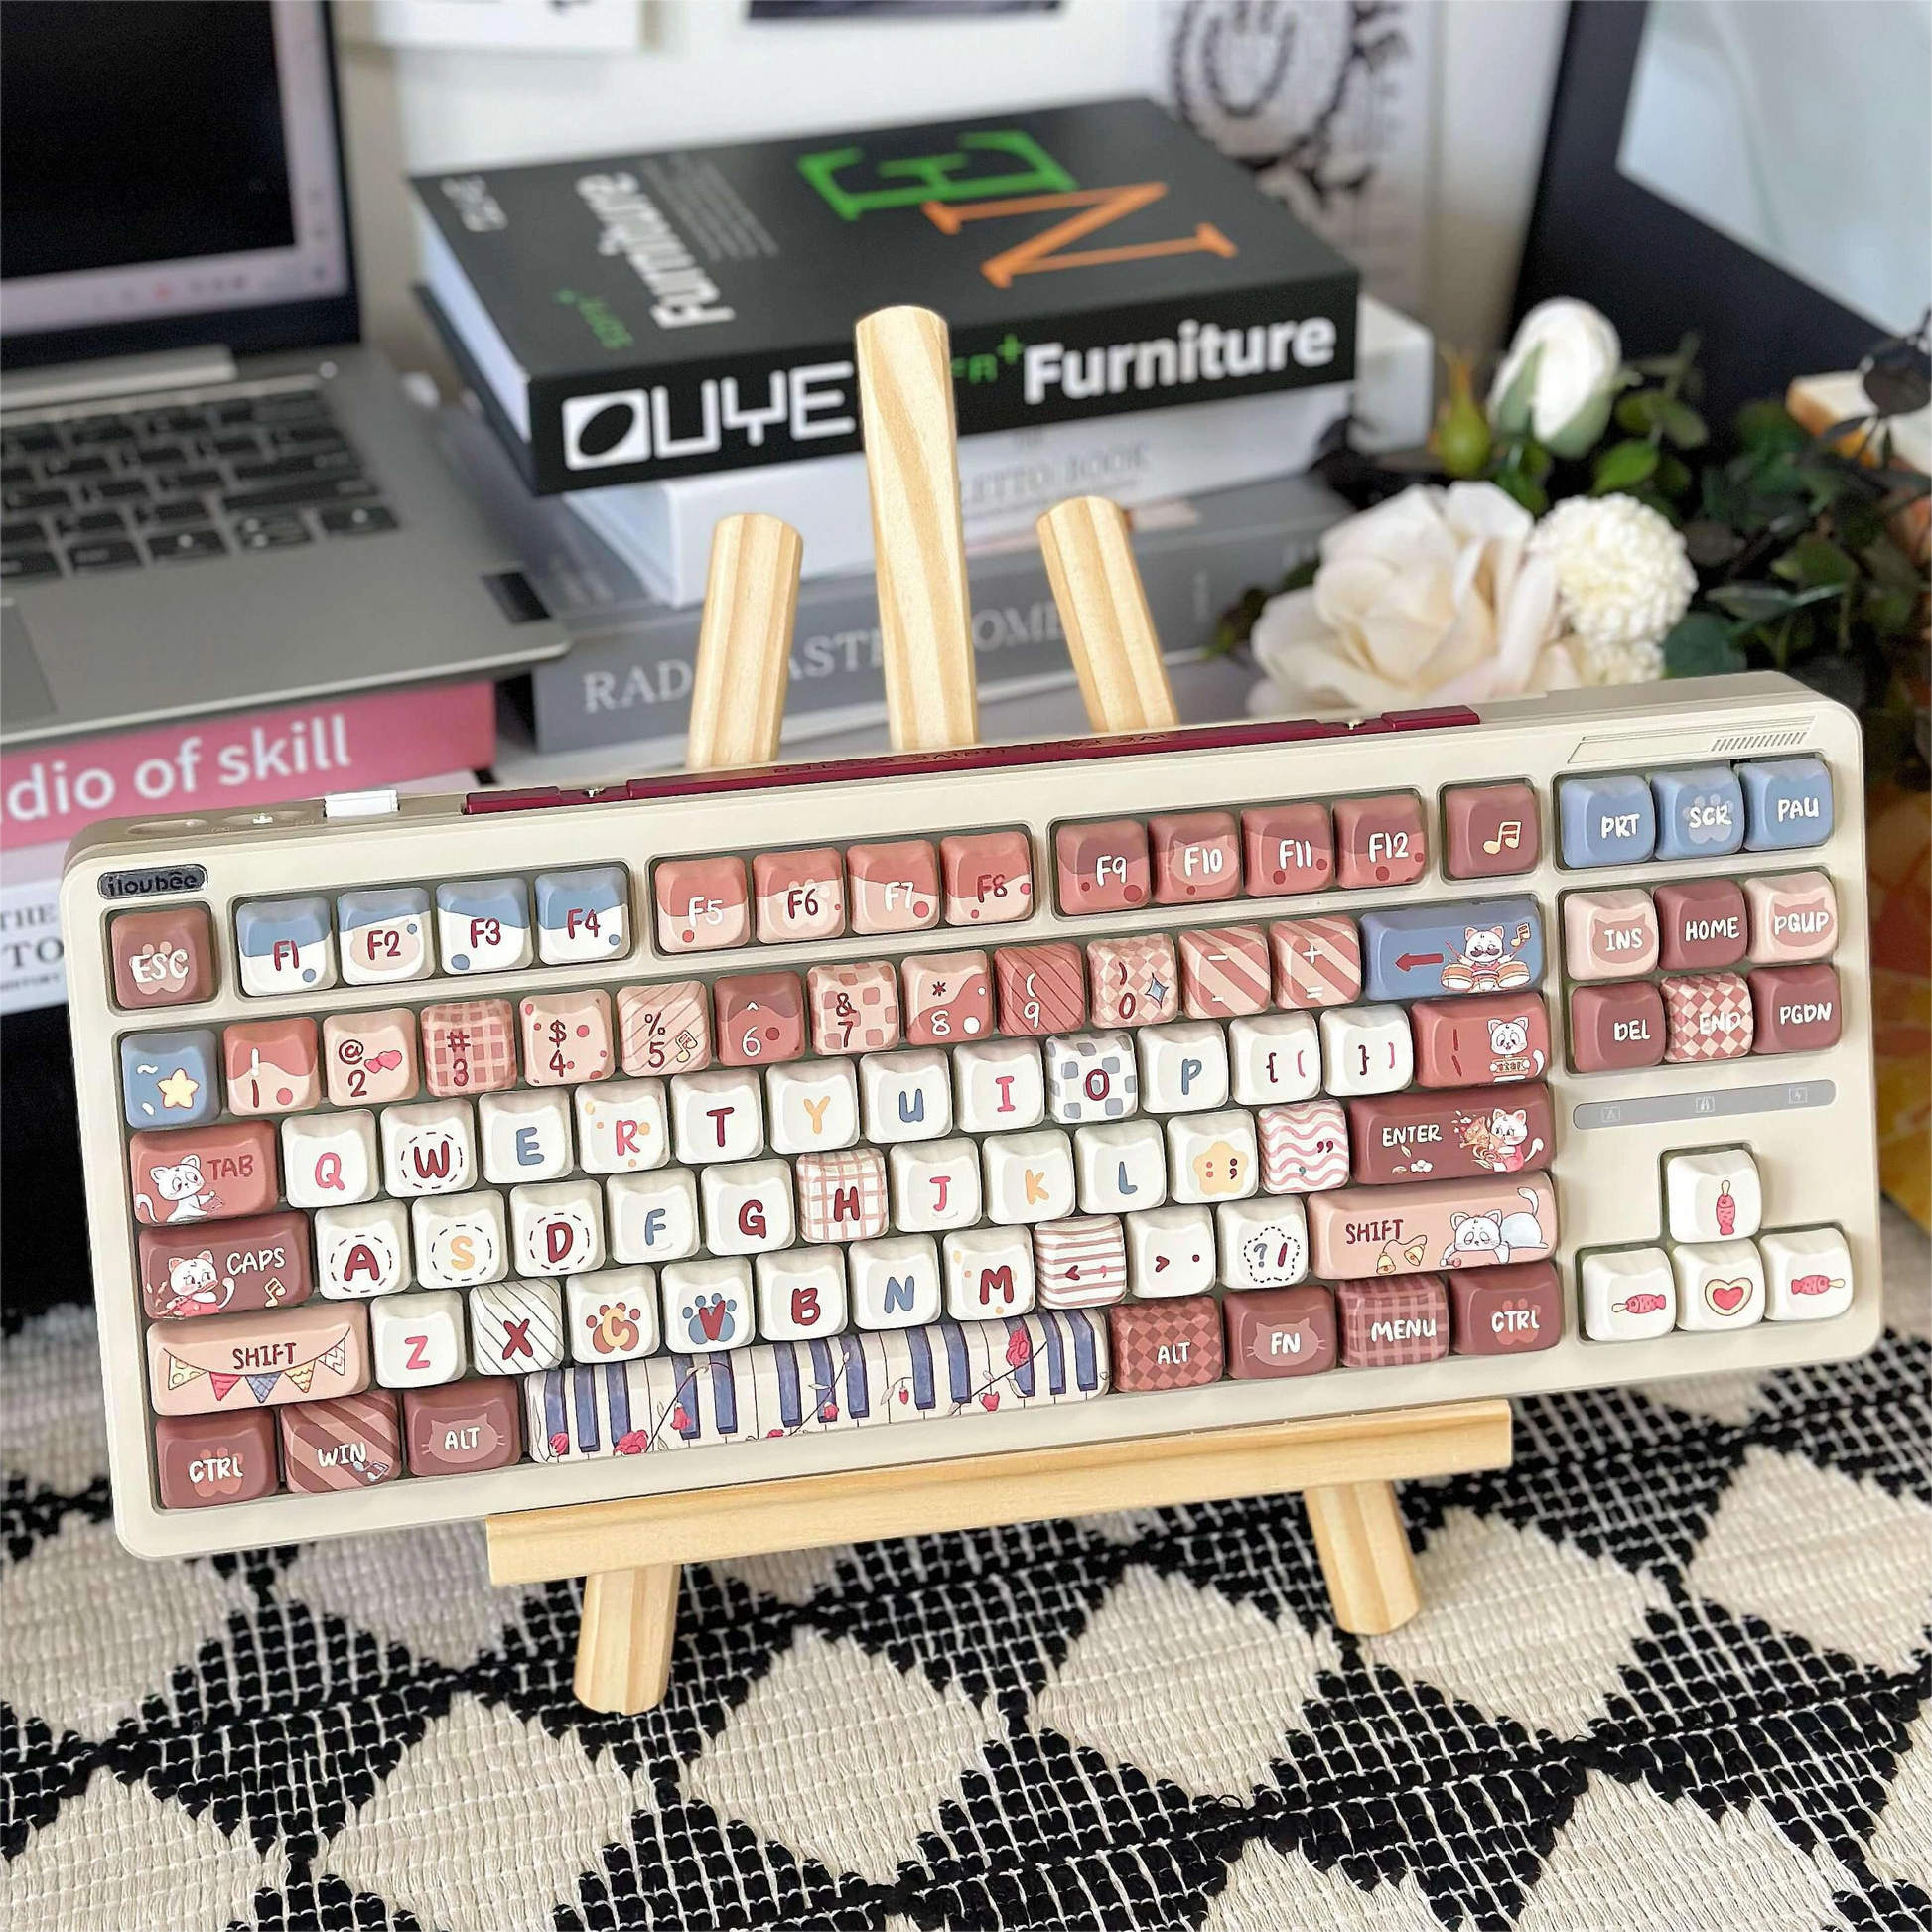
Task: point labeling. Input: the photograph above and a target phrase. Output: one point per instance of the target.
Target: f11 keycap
(205, 1173)
(1356, 1232)
(1797, 1008)
(1482, 946)
(225, 1268)
(202, 1461)
(1288, 848)
(1787, 804)
(1505, 1310)
(1455, 1136)
(1606, 822)
(1613, 1028)
(259, 1361)
(1491, 1041)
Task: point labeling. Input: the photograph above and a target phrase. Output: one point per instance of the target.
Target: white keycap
(460, 1239)
(746, 1207)
(842, 1196)
(622, 1126)
(295, 951)
(516, 1327)
(1719, 1285)
(997, 1086)
(1080, 1263)
(428, 1149)
(417, 1339)
(558, 1228)
(814, 1106)
(329, 1160)
(1121, 1166)
(1712, 1196)
(1212, 1156)
(1262, 1243)
(717, 1116)
(1367, 1049)
(895, 1282)
(653, 1216)
(1091, 1076)
(1807, 1275)
(708, 1305)
(1029, 1177)
(802, 1294)
(1276, 1058)
(1170, 1251)
(1629, 1295)
(908, 1096)
(363, 1251)
(1184, 1067)
(483, 926)
(936, 1184)
(526, 1135)
(988, 1272)
(612, 1316)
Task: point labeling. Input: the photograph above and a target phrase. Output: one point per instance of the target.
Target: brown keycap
(1288, 849)
(1165, 1344)
(1505, 1310)
(1103, 867)
(274, 1067)
(1614, 1028)
(1197, 856)
(1452, 1136)
(1393, 1321)
(229, 1364)
(1486, 1042)
(1274, 1331)
(1380, 841)
(1489, 831)
(203, 1174)
(463, 1427)
(162, 958)
(1703, 924)
(1042, 988)
(226, 1266)
(760, 1019)
(205, 1460)
(1798, 1008)
(352, 1443)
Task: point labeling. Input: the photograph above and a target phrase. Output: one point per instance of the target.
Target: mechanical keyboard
(449, 1157)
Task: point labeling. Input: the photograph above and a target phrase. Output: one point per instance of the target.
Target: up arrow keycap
(1421, 952)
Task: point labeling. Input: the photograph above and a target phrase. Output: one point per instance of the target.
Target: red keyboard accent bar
(531, 798)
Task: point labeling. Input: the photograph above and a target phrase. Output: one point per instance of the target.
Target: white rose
(1623, 579)
(1560, 377)
(1431, 598)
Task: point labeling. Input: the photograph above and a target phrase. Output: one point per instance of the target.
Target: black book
(645, 316)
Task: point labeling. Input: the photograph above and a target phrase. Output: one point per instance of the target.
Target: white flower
(1623, 581)
(1431, 598)
(1560, 377)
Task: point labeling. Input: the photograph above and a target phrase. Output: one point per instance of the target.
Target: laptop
(213, 496)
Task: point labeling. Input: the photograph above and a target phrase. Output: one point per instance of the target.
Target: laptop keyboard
(181, 483)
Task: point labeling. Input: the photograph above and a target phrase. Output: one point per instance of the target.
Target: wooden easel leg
(624, 1649)
(1365, 1555)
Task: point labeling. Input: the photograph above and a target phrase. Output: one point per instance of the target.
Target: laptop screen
(166, 159)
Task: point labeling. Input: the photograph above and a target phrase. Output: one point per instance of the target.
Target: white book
(1010, 477)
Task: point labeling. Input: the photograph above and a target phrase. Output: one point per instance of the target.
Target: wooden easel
(629, 1552)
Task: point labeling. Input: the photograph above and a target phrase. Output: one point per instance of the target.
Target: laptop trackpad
(23, 684)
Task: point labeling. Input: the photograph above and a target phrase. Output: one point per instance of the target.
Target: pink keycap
(1136, 982)
(1103, 867)
(760, 1019)
(566, 1037)
(988, 877)
(665, 1029)
(855, 1008)
(1042, 988)
(948, 998)
(1317, 962)
(800, 894)
(1709, 1015)
(274, 1067)
(703, 904)
(203, 1174)
(1288, 849)
(1380, 841)
(1197, 856)
(1224, 971)
(894, 885)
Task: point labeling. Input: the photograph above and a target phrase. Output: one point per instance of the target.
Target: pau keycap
(1478, 946)
(1787, 804)
(583, 915)
(285, 945)
(482, 925)
(1700, 812)
(171, 1079)
(385, 935)
(1606, 822)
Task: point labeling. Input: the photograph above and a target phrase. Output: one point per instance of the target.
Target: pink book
(249, 757)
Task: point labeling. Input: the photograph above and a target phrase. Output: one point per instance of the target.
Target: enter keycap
(1456, 1136)
(1358, 1232)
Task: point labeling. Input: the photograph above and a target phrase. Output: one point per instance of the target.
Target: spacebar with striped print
(776, 1389)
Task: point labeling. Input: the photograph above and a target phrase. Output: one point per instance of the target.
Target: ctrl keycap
(202, 1460)
(463, 1428)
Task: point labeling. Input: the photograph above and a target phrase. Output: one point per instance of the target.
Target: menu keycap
(1397, 1322)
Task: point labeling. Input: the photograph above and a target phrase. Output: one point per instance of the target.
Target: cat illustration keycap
(162, 958)
(1700, 812)
(285, 945)
(1787, 804)
(1449, 1136)
(1484, 946)
(203, 1174)
(1361, 1231)
(385, 935)
(226, 1267)
(482, 925)
(1484, 1043)
(169, 1079)
(583, 915)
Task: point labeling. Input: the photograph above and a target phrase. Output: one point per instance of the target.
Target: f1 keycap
(1482, 946)
(1460, 1135)
(259, 1361)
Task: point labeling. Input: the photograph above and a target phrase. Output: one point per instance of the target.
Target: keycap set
(86, 493)
(632, 1187)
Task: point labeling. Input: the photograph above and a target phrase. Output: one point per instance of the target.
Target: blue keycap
(1608, 821)
(1700, 812)
(1488, 945)
(581, 914)
(378, 905)
(171, 1079)
(1787, 803)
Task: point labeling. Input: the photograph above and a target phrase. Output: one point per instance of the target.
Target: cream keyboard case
(449, 1157)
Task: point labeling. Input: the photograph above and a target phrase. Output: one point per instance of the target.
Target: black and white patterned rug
(1673, 1672)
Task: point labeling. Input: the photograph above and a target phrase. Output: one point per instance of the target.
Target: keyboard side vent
(1737, 743)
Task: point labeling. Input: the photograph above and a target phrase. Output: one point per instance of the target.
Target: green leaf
(1642, 412)
(1673, 475)
(1512, 410)
(1525, 488)
(1889, 611)
(1683, 425)
(1892, 568)
(1700, 646)
(1816, 559)
(1710, 542)
(1767, 426)
(1754, 603)
(1623, 464)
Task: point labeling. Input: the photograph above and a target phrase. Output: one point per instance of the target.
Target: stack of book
(659, 340)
